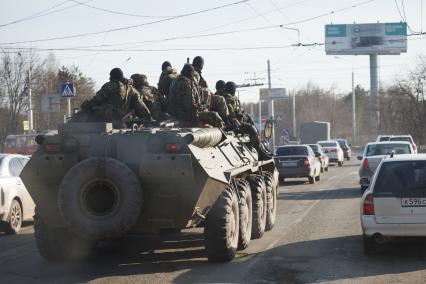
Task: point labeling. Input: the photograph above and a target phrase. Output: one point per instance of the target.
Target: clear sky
(292, 67)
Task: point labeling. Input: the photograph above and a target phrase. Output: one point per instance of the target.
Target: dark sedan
(297, 161)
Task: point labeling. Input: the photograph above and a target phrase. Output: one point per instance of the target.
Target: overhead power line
(129, 27)
(45, 12)
(34, 15)
(118, 12)
(18, 49)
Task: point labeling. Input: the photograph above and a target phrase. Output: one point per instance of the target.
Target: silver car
(374, 153)
(16, 205)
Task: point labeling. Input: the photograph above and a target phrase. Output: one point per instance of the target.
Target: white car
(395, 203)
(406, 138)
(16, 205)
(333, 151)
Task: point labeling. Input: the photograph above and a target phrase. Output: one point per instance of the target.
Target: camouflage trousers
(212, 118)
(218, 104)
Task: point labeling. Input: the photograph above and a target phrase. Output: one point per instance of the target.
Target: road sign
(67, 90)
(365, 39)
(26, 125)
(273, 93)
(50, 103)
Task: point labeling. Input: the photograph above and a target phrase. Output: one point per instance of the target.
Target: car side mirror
(317, 155)
(359, 158)
(267, 132)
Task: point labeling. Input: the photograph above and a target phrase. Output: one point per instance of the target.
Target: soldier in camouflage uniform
(231, 99)
(149, 95)
(184, 101)
(209, 101)
(168, 74)
(116, 101)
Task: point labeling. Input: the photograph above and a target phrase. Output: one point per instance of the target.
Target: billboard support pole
(353, 110)
(373, 93)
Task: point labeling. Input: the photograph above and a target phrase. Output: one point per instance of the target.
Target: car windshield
(401, 178)
(406, 139)
(328, 144)
(387, 149)
(292, 151)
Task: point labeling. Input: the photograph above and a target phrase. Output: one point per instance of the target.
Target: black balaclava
(198, 63)
(165, 65)
(220, 85)
(188, 71)
(230, 87)
(116, 74)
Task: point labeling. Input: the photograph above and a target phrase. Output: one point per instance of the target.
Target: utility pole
(271, 107)
(30, 104)
(353, 110)
(373, 94)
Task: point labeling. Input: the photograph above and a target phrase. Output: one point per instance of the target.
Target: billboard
(364, 39)
(273, 93)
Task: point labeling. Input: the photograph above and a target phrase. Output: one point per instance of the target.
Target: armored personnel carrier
(91, 182)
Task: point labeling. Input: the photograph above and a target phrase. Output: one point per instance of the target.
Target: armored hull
(94, 182)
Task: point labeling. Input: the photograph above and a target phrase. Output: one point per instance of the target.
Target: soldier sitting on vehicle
(184, 101)
(150, 96)
(115, 102)
(168, 74)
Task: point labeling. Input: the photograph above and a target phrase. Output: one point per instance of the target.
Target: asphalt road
(317, 238)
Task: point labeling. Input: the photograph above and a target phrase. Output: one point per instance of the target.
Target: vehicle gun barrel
(205, 137)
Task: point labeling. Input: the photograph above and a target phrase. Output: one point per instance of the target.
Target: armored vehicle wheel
(271, 197)
(259, 196)
(222, 227)
(100, 198)
(245, 204)
(52, 243)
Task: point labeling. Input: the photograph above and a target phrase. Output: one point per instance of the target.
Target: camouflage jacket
(165, 81)
(184, 101)
(115, 100)
(152, 99)
(232, 104)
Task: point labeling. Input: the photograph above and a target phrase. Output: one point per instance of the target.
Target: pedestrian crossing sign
(67, 90)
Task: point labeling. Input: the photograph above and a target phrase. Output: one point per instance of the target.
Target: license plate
(288, 164)
(413, 202)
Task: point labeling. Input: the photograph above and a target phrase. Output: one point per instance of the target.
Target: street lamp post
(353, 100)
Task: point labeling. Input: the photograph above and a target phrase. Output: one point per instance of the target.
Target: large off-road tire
(14, 220)
(52, 243)
(259, 196)
(100, 198)
(271, 200)
(246, 206)
(221, 229)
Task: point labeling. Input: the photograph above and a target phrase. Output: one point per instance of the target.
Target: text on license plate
(288, 164)
(413, 201)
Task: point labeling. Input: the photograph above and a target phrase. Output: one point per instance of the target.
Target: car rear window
(328, 144)
(314, 147)
(387, 149)
(406, 139)
(401, 178)
(292, 151)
